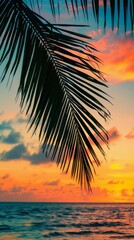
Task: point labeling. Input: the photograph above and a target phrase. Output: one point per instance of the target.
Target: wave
(66, 221)
(5, 227)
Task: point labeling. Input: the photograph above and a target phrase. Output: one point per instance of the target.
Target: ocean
(61, 221)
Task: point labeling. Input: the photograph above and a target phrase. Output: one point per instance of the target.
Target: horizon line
(67, 202)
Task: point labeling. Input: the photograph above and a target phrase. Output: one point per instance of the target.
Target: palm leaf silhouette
(117, 8)
(60, 86)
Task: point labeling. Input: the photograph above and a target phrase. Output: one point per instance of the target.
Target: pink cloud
(15, 194)
(89, 5)
(97, 191)
(125, 193)
(79, 7)
(117, 54)
(95, 33)
(130, 135)
(113, 134)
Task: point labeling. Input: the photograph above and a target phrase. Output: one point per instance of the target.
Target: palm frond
(60, 86)
(124, 8)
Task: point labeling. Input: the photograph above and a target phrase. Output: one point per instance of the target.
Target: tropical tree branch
(59, 84)
(118, 8)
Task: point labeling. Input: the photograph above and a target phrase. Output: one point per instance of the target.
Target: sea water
(66, 221)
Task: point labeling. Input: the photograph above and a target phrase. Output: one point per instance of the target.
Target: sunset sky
(25, 175)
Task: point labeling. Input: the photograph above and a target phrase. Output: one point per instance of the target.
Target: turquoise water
(66, 221)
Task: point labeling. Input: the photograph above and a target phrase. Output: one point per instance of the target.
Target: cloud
(95, 33)
(126, 193)
(113, 134)
(130, 135)
(4, 194)
(12, 138)
(21, 118)
(20, 152)
(17, 119)
(89, 5)
(5, 176)
(17, 152)
(71, 185)
(97, 191)
(18, 189)
(16, 193)
(5, 125)
(117, 54)
(115, 182)
(38, 158)
(53, 183)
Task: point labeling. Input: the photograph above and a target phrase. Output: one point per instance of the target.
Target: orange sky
(25, 178)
